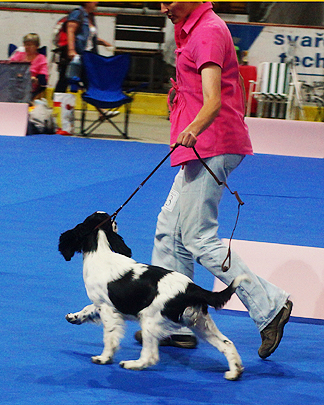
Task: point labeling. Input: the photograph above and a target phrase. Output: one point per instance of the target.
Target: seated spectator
(38, 67)
(81, 31)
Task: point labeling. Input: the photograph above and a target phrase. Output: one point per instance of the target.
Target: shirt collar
(195, 15)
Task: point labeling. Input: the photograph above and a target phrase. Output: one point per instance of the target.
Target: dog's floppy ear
(118, 245)
(70, 242)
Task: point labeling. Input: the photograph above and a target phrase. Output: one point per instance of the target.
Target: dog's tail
(219, 299)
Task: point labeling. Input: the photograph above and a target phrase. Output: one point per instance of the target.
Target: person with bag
(208, 113)
(81, 35)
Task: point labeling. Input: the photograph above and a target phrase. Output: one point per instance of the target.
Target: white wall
(15, 24)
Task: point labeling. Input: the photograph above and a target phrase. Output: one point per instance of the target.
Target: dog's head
(84, 237)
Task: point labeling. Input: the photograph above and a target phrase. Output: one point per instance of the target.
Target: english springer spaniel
(122, 289)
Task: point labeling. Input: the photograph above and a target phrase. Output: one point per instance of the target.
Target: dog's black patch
(194, 296)
(130, 295)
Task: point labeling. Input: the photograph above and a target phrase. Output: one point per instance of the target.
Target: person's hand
(187, 139)
(71, 53)
(34, 80)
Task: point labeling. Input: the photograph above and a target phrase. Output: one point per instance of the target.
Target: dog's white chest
(96, 279)
(101, 268)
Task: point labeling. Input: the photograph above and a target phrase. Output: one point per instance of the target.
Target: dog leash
(220, 183)
(143, 182)
(114, 215)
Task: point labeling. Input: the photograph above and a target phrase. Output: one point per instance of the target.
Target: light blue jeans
(187, 231)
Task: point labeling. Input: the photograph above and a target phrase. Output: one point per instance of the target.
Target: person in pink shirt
(208, 112)
(38, 63)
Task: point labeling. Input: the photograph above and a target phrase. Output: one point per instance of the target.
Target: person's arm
(211, 87)
(71, 29)
(39, 71)
(243, 91)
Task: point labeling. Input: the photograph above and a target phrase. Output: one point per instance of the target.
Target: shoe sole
(181, 345)
(284, 319)
(170, 342)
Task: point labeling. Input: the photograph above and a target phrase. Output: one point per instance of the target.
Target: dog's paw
(73, 318)
(101, 360)
(132, 365)
(234, 375)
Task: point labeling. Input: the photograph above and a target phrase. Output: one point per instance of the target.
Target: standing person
(38, 63)
(82, 36)
(208, 113)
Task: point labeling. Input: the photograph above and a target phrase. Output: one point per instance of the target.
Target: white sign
(281, 44)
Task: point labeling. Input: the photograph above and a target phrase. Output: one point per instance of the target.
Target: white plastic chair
(271, 90)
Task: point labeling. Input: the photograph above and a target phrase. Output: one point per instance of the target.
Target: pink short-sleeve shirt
(37, 67)
(204, 37)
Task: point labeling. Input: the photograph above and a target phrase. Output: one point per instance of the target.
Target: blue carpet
(51, 183)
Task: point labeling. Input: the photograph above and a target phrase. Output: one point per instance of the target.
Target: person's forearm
(71, 43)
(70, 32)
(244, 93)
(211, 89)
(205, 117)
(202, 121)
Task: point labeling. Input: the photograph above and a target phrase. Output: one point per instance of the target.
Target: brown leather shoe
(271, 335)
(182, 341)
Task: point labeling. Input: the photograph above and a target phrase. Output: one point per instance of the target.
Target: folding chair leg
(260, 107)
(290, 103)
(282, 110)
(250, 98)
(104, 118)
(92, 127)
(127, 111)
(83, 115)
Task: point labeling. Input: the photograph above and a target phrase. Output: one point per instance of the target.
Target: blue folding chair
(13, 47)
(104, 77)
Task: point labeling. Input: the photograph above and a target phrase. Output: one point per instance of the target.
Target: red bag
(59, 34)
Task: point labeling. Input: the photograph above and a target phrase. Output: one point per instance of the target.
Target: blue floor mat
(51, 183)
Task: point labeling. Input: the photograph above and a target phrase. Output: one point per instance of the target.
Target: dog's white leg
(113, 331)
(87, 314)
(150, 348)
(206, 329)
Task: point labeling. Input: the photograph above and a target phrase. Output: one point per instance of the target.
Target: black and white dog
(121, 289)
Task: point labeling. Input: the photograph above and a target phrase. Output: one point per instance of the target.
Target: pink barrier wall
(298, 270)
(13, 119)
(286, 137)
